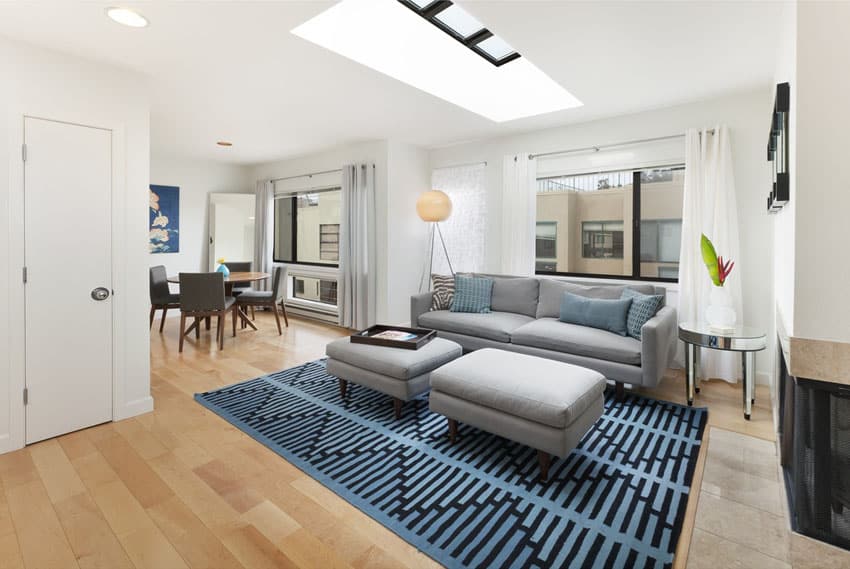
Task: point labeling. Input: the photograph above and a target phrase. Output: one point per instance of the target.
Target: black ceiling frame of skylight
(430, 13)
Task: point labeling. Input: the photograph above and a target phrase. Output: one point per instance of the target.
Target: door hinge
(24, 275)
(24, 152)
(26, 395)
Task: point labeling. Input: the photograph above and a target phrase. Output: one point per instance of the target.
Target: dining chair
(240, 267)
(268, 298)
(201, 297)
(161, 295)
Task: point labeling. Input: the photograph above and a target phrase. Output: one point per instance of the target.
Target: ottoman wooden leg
(619, 390)
(343, 387)
(452, 430)
(544, 459)
(397, 404)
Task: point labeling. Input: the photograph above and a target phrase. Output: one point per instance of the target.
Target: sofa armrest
(419, 305)
(658, 344)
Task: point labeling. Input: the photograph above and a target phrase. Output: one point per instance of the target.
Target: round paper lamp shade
(434, 205)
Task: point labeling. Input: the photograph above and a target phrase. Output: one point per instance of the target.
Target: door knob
(100, 293)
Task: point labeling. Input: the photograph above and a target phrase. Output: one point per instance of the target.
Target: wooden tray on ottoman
(409, 338)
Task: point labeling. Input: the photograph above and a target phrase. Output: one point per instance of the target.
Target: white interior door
(68, 187)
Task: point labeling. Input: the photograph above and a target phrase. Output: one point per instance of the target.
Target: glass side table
(748, 341)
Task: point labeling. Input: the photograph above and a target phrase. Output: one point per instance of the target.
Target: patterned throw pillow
(644, 307)
(472, 294)
(444, 291)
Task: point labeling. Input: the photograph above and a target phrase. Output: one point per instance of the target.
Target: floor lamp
(433, 207)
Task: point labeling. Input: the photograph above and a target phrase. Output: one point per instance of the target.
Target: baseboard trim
(133, 408)
(6, 444)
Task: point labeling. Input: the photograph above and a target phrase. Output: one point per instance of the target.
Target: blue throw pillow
(472, 294)
(606, 314)
(644, 307)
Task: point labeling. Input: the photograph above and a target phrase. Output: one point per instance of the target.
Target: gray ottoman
(545, 404)
(401, 374)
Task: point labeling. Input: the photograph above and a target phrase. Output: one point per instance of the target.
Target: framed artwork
(164, 234)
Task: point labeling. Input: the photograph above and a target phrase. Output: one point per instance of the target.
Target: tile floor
(742, 516)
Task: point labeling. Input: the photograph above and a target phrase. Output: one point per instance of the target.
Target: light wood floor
(180, 487)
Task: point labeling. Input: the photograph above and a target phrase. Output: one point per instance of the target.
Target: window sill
(672, 286)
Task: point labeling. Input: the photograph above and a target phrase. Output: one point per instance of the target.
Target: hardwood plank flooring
(179, 487)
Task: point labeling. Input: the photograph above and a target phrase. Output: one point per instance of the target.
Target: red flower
(724, 268)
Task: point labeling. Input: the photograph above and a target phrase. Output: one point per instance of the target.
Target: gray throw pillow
(472, 294)
(605, 314)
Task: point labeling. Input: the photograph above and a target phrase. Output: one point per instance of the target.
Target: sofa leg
(452, 430)
(397, 404)
(544, 459)
(343, 388)
(619, 391)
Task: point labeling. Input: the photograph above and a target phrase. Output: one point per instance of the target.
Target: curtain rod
(311, 174)
(482, 162)
(599, 147)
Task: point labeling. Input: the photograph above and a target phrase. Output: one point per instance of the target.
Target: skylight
(390, 36)
(464, 27)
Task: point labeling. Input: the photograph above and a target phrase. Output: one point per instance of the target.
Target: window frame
(431, 10)
(294, 229)
(636, 207)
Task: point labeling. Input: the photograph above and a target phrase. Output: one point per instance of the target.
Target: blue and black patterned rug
(618, 500)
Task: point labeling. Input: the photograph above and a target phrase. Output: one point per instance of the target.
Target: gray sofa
(524, 318)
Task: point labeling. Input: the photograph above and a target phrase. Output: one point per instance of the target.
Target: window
(306, 227)
(465, 28)
(598, 232)
(546, 239)
(602, 239)
(315, 290)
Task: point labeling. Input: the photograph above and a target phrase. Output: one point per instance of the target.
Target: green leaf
(709, 257)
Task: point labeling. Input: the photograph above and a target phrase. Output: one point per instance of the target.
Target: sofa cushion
(537, 389)
(552, 291)
(515, 294)
(496, 326)
(472, 294)
(394, 362)
(602, 313)
(552, 334)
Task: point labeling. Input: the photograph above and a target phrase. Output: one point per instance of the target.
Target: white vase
(720, 313)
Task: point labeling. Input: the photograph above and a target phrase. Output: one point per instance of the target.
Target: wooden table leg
(452, 430)
(544, 459)
(245, 319)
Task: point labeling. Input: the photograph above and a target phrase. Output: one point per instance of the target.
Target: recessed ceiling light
(224, 143)
(127, 17)
(390, 38)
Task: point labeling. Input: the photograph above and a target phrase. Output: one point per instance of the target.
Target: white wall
(407, 244)
(748, 116)
(56, 86)
(197, 179)
(822, 171)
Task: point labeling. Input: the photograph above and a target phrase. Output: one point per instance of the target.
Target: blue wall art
(164, 219)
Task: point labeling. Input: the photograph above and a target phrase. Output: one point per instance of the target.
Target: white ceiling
(232, 71)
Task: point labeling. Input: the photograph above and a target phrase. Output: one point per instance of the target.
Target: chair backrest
(159, 285)
(240, 267)
(201, 292)
(279, 283)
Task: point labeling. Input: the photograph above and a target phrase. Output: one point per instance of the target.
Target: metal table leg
(697, 356)
(689, 372)
(748, 365)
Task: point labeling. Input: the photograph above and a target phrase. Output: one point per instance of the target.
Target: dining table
(234, 278)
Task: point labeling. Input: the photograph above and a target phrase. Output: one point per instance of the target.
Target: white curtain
(263, 228)
(519, 211)
(709, 207)
(465, 231)
(357, 282)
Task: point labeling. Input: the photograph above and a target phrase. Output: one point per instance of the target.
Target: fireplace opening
(814, 431)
